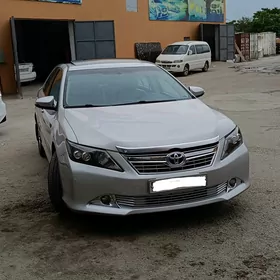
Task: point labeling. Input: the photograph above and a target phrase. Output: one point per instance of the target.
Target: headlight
(232, 142)
(158, 61)
(178, 61)
(91, 156)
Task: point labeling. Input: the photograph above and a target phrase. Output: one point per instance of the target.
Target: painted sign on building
(63, 1)
(187, 10)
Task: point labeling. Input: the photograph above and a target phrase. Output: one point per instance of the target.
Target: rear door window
(199, 49)
(205, 49)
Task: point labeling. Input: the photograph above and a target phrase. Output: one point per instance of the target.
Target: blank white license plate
(178, 183)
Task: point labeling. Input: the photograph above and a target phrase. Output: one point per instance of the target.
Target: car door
(200, 57)
(191, 57)
(49, 116)
(207, 54)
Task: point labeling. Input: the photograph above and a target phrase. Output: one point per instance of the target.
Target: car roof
(107, 63)
(188, 43)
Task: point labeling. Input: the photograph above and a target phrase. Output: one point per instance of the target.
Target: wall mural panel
(63, 1)
(187, 10)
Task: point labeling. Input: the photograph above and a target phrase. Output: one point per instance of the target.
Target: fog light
(77, 154)
(232, 183)
(86, 156)
(105, 199)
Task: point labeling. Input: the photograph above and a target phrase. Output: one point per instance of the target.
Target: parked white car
(3, 112)
(183, 57)
(26, 72)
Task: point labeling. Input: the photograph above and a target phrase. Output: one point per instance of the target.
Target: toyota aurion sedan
(126, 137)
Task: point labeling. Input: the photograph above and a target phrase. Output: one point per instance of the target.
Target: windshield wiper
(82, 106)
(122, 104)
(146, 102)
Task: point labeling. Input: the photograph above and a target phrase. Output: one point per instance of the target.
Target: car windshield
(176, 49)
(121, 86)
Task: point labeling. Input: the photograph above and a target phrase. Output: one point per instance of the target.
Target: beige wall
(130, 27)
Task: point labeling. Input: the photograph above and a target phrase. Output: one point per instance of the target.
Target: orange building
(49, 33)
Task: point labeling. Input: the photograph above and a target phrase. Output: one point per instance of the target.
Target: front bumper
(83, 185)
(174, 67)
(29, 77)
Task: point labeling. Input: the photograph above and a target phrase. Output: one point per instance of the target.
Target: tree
(265, 20)
(242, 25)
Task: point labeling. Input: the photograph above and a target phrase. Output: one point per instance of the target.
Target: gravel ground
(235, 240)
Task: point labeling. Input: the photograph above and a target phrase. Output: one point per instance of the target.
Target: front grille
(170, 198)
(198, 157)
(166, 61)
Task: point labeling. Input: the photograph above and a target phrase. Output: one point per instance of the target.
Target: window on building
(132, 5)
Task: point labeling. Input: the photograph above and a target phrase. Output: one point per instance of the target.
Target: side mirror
(196, 91)
(46, 102)
(190, 52)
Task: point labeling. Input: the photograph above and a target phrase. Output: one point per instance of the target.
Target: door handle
(42, 111)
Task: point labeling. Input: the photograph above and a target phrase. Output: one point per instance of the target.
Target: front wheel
(186, 70)
(55, 186)
(206, 67)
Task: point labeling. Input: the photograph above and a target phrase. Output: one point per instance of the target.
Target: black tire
(186, 70)
(206, 67)
(55, 186)
(39, 142)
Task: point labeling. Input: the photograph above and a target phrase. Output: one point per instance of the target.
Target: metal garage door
(95, 40)
(227, 49)
(220, 37)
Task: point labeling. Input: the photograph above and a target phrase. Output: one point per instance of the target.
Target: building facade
(128, 22)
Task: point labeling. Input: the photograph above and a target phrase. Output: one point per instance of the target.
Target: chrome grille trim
(196, 157)
(158, 149)
(170, 198)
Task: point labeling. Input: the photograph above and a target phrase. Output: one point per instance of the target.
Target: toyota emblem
(176, 159)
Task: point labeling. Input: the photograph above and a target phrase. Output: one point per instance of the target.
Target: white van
(183, 57)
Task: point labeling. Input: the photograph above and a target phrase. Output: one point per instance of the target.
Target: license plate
(178, 183)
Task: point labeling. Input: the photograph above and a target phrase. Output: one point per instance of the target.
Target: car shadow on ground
(123, 227)
(136, 225)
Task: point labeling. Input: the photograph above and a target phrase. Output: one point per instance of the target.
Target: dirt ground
(235, 240)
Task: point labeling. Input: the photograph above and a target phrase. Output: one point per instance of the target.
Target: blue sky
(238, 8)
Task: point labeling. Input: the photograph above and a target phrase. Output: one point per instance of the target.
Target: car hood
(170, 57)
(148, 125)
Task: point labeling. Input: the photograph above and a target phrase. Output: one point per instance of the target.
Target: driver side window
(55, 88)
(49, 81)
(192, 49)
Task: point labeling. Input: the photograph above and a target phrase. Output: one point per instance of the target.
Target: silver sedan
(126, 137)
